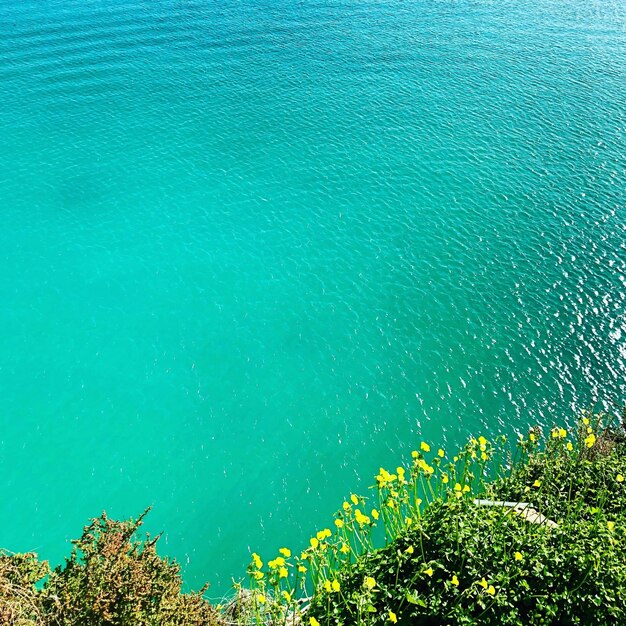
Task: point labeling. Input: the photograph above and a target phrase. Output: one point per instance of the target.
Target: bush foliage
(110, 579)
(19, 600)
(532, 534)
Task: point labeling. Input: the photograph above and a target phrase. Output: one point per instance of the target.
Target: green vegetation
(422, 551)
(109, 580)
(531, 533)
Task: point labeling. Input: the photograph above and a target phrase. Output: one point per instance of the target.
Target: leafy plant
(19, 600)
(557, 557)
(113, 580)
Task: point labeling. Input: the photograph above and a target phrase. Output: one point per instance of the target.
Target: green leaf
(413, 599)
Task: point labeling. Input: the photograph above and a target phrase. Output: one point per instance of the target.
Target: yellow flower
(491, 590)
(391, 503)
(285, 552)
(427, 469)
(410, 550)
(327, 585)
(360, 518)
(339, 523)
(611, 526)
(457, 487)
(346, 506)
(415, 454)
(392, 617)
(424, 446)
(260, 598)
(483, 456)
(322, 534)
(619, 478)
(354, 499)
(518, 556)
(562, 433)
(429, 571)
(345, 548)
(287, 596)
(569, 446)
(374, 513)
(537, 483)
(314, 542)
(455, 581)
(384, 477)
(409, 521)
(444, 478)
(483, 583)
(585, 420)
(257, 560)
(532, 437)
(369, 582)
(465, 488)
(590, 440)
(282, 572)
(441, 453)
(418, 501)
(302, 569)
(589, 430)
(258, 575)
(313, 622)
(336, 586)
(482, 441)
(555, 432)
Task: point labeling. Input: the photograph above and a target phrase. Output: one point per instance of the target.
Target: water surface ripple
(250, 250)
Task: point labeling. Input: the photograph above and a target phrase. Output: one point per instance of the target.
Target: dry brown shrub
(19, 599)
(112, 579)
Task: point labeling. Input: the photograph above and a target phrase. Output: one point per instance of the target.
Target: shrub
(425, 550)
(19, 601)
(112, 580)
(460, 563)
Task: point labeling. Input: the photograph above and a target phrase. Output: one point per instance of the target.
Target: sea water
(251, 250)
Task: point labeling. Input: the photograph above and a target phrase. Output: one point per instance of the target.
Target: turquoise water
(252, 250)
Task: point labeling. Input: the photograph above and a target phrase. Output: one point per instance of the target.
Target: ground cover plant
(441, 541)
(110, 579)
(524, 532)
